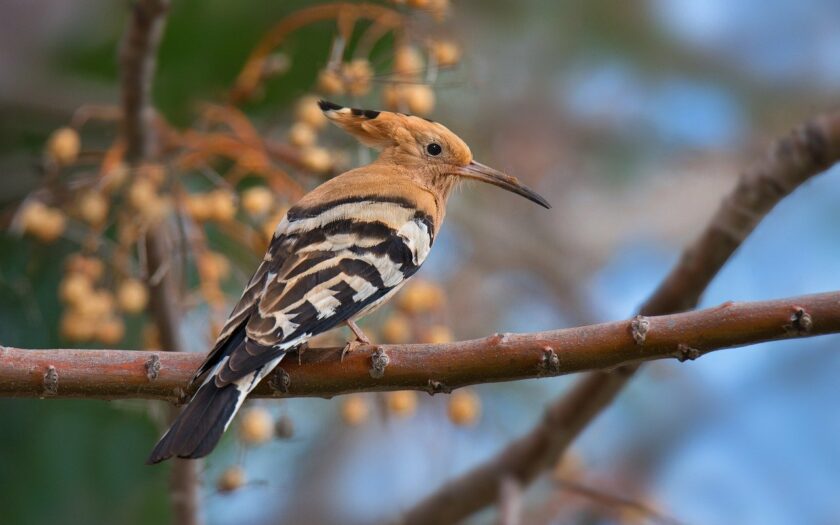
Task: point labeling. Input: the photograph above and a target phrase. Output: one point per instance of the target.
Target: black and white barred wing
(328, 268)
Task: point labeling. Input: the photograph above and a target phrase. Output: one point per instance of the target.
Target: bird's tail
(200, 425)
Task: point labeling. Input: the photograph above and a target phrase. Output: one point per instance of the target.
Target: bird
(341, 251)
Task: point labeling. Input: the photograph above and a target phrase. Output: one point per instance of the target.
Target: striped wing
(325, 265)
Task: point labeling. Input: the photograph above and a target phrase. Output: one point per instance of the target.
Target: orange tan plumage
(340, 252)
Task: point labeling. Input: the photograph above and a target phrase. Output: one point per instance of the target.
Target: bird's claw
(351, 346)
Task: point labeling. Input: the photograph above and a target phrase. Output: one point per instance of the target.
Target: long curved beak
(478, 171)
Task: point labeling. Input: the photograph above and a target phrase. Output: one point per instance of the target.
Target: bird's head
(425, 150)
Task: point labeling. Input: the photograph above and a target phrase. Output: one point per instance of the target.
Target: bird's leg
(303, 347)
(361, 339)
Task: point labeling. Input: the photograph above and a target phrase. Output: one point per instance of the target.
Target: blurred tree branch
(138, 61)
(114, 374)
(807, 151)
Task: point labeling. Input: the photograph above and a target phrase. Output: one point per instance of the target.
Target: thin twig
(807, 151)
(138, 60)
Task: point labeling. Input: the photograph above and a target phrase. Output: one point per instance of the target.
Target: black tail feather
(199, 427)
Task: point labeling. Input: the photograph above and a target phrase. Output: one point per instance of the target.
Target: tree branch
(116, 374)
(138, 60)
(807, 151)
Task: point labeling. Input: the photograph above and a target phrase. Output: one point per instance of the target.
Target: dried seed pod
(330, 82)
(437, 334)
(257, 201)
(396, 329)
(213, 266)
(42, 222)
(75, 288)
(421, 296)
(302, 135)
(256, 426)
(446, 52)
(76, 327)
(63, 146)
(231, 479)
(307, 111)
(222, 205)
(110, 331)
(284, 428)
(464, 407)
(355, 409)
(420, 99)
(408, 61)
(93, 208)
(199, 207)
(132, 296)
(316, 159)
(357, 75)
(402, 403)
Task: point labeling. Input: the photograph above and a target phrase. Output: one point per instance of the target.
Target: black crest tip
(326, 105)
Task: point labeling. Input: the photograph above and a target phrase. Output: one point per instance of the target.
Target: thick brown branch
(807, 151)
(114, 374)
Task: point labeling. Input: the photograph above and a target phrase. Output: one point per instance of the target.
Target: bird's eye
(434, 148)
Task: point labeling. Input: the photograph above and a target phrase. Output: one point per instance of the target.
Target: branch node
(437, 387)
(686, 353)
(152, 367)
(639, 327)
(51, 381)
(181, 395)
(550, 362)
(800, 322)
(280, 381)
(499, 338)
(378, 361)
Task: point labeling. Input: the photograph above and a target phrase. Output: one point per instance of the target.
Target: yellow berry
(132, 296)
(93, 208)
(231, 479)
(402, 403)
(222, 205)
(213, 266)
(257, 200)
(420, 99)
(198, 207)
(464, 407)
(154, 173)
(330, 82)
(64, 145)
(110, 331)
(316, 159)
(357, 76)
(99, 304)
(437, 334)
(355, 409)
(256, 426)
(76, 327)
(142, 194)
(396, 329)
(75, 288)
(302, 134)
(115, 177)
(420, 297)
(42, 222)
(89, 266)
(308, 111)
(446, 52)
(408, 61)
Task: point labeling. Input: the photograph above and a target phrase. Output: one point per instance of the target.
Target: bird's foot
(303, 347)
(361, 340)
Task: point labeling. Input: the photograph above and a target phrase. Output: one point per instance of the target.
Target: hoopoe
(343, 250)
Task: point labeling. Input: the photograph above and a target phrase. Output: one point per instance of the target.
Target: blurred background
(632, 118)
